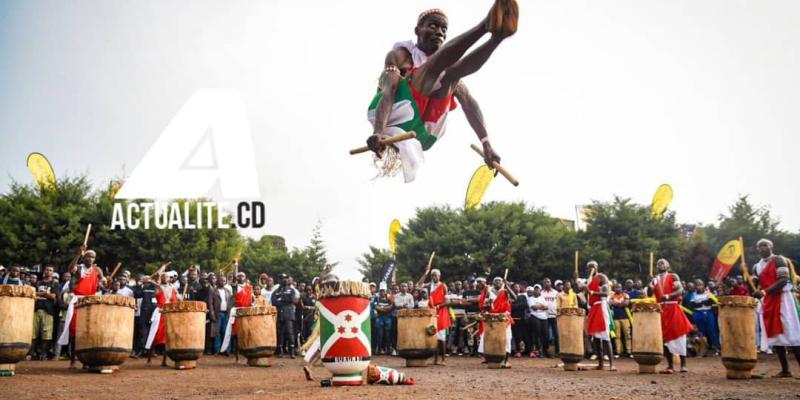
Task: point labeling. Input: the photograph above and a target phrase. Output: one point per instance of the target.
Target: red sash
(502, 305)
(243, 298)
(597, 319)
(84, 286)
(437, 297)
(87, 285)
(674, 323)
(161, 299)
(431, 109)
(771, 303)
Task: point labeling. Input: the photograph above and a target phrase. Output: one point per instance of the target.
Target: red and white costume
(674, 324)
(598, 323)
(86, 285)
(158, 335)
(781, 324)
(438, 296)
(500, 305)
(242, 298)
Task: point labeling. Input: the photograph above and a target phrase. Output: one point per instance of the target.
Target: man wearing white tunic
(779, 310)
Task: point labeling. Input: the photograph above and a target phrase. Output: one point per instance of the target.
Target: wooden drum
(104, 331)
(345, 330)
(186, 332)
(416, 336)
(495, 339)
(737, 330)
(648, 343)
(257, 334)
(570, 336)
(16, 329)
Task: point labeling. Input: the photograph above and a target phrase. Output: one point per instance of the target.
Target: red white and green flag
(345, 329)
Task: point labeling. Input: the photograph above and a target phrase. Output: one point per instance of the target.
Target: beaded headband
(424, 14)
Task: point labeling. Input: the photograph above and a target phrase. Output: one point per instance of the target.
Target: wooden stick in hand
(86, 238)
(390, 140)
(497, 166)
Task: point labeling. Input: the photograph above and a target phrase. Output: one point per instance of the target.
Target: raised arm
(475, 119)
(73, 265)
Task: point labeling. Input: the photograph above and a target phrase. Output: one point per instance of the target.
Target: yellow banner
(477, 186)
(41, 170)
(661, 200)
(393, 229)
(730, 252)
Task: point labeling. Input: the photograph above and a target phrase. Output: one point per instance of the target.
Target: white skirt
(790, 322)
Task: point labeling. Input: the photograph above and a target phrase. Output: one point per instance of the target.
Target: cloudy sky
(588, 100)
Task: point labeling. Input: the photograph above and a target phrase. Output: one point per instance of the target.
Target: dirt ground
(463, 378)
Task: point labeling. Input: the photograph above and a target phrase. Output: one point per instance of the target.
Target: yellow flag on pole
(480, 181)
(661, 200)
(727, 256)
(41, 170)
(393, 229)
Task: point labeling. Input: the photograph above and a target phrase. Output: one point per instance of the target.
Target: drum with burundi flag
(345, 330)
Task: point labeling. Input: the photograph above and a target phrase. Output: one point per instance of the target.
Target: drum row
(104, 330)
(737, 324)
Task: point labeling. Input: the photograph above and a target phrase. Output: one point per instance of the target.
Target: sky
(590, 99)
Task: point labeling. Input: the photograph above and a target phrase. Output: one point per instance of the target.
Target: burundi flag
(404, 117)
(345, 329)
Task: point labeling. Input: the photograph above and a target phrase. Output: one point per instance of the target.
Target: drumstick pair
(411, 134)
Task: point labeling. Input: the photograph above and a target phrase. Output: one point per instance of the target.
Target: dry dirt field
(463, 378)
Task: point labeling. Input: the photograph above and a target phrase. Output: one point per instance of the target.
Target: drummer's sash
(771, 304)
(436, 298)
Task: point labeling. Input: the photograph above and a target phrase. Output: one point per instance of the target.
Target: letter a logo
(211, 129)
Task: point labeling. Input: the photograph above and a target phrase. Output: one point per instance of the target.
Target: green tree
(745, 220)
(371, 265)
(621, 235)
(486, 241)
(48, 226)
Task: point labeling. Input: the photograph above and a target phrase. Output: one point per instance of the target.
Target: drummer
(87, 278)
(497, 300)
(437, 299)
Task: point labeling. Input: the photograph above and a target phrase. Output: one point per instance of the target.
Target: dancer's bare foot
(503, 17)
(307, 371)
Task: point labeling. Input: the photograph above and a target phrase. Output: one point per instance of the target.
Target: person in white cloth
(779, 314)
(422, 80)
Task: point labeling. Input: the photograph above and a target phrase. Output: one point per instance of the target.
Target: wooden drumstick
(498, 167)
(86, 238)
(114, 273)
(390, 140)
(160, 270)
